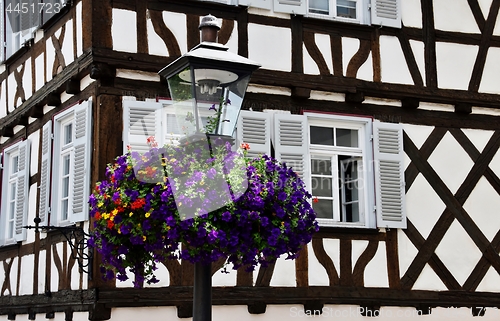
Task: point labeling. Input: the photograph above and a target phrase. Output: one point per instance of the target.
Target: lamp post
(207, 86)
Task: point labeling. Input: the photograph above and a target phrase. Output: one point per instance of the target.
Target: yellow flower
(147, 214)
(130, 214)
(105, 215)
(100, 204)
(144, 238)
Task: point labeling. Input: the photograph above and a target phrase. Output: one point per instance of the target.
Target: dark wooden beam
(429, 38)
(356, 97)
(463, 108)
(53, 99)
(410, 103)
(73, 86)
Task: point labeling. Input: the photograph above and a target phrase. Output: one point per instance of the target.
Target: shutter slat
(21, 210)
(386, 13)
(291, 137)
(45, 171)
(254, 128)
(389, 175)
(81, 164)
(141, 120)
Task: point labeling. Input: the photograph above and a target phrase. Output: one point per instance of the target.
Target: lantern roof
(211, 54)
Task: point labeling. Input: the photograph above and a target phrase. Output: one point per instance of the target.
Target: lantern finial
(209, 27)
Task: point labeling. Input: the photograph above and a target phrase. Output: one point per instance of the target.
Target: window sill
(350, 232)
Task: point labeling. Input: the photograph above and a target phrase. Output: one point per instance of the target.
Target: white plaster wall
(156, 46)
(123, 30)
(138, 75)
(490, 81)
(392, 62)
(162, 275)
(423, 205)
(50, 56)
(220, 278)
(349, 48)
(54, 274)
(232, 43)
(310, 66)
(323, 43)
(365, 71)
(376, 274)
(176, 22)
(406, 252)
(85, 82)
(490, 282)
(284, 273)
(41, 271)
(418, 50)
(79, 27)
(428, 280)
(451, 162)
(418, 134)
(411, 13)
(296, 312)
(2, 279)
(358, 247)
(13, 275)
(27, 268)
(12, 85)
(39, 71)
(458, 252)
(3, 98)
(32, 194)
(483, 205)
(478, 137)
(485, 6)
(262, 46)
(454, 17)
(27, 80)
(454, 70)
(68, 44)
(319, 277)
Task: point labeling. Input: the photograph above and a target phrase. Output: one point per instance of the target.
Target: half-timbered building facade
(388, 109)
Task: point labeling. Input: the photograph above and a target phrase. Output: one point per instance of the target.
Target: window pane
(66, 163)
(319, 6)
(68, 134)
(346, 9)
(64, 210)
(15, 164)
(322, 135)
(347, 137)
(321, 166)
(321, 186)
(323, 208)
(351, 191)
(13, 191)
(11, 230)
(352, 212)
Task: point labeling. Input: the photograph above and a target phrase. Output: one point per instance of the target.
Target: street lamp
(207, 86)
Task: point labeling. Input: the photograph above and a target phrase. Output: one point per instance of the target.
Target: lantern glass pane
(183, 101)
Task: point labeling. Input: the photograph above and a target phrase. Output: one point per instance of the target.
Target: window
(15, 183)
(143, 119)
(376, 12)
(356, 181)
(19, 19)
(70, 169)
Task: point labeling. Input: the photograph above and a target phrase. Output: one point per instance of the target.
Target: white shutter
(292, 143)
(264, 4)
(389, 175)
(140, 120)
(44, 205)
(82, 158)
(254, 128)
(386, 13)
(291, 6)
(30, 21)
(22, 197)
(2, 31)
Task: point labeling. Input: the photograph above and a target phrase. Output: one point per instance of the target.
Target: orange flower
(315, 200)
(97, 215)
(245, 146)
(110, 224)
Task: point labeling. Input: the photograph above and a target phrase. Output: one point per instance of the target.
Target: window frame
(20, 178)
(80, 116)
(364, 150)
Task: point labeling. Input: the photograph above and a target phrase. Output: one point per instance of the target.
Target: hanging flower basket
(197, 204)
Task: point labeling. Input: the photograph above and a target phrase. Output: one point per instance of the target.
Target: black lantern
(207, 85)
